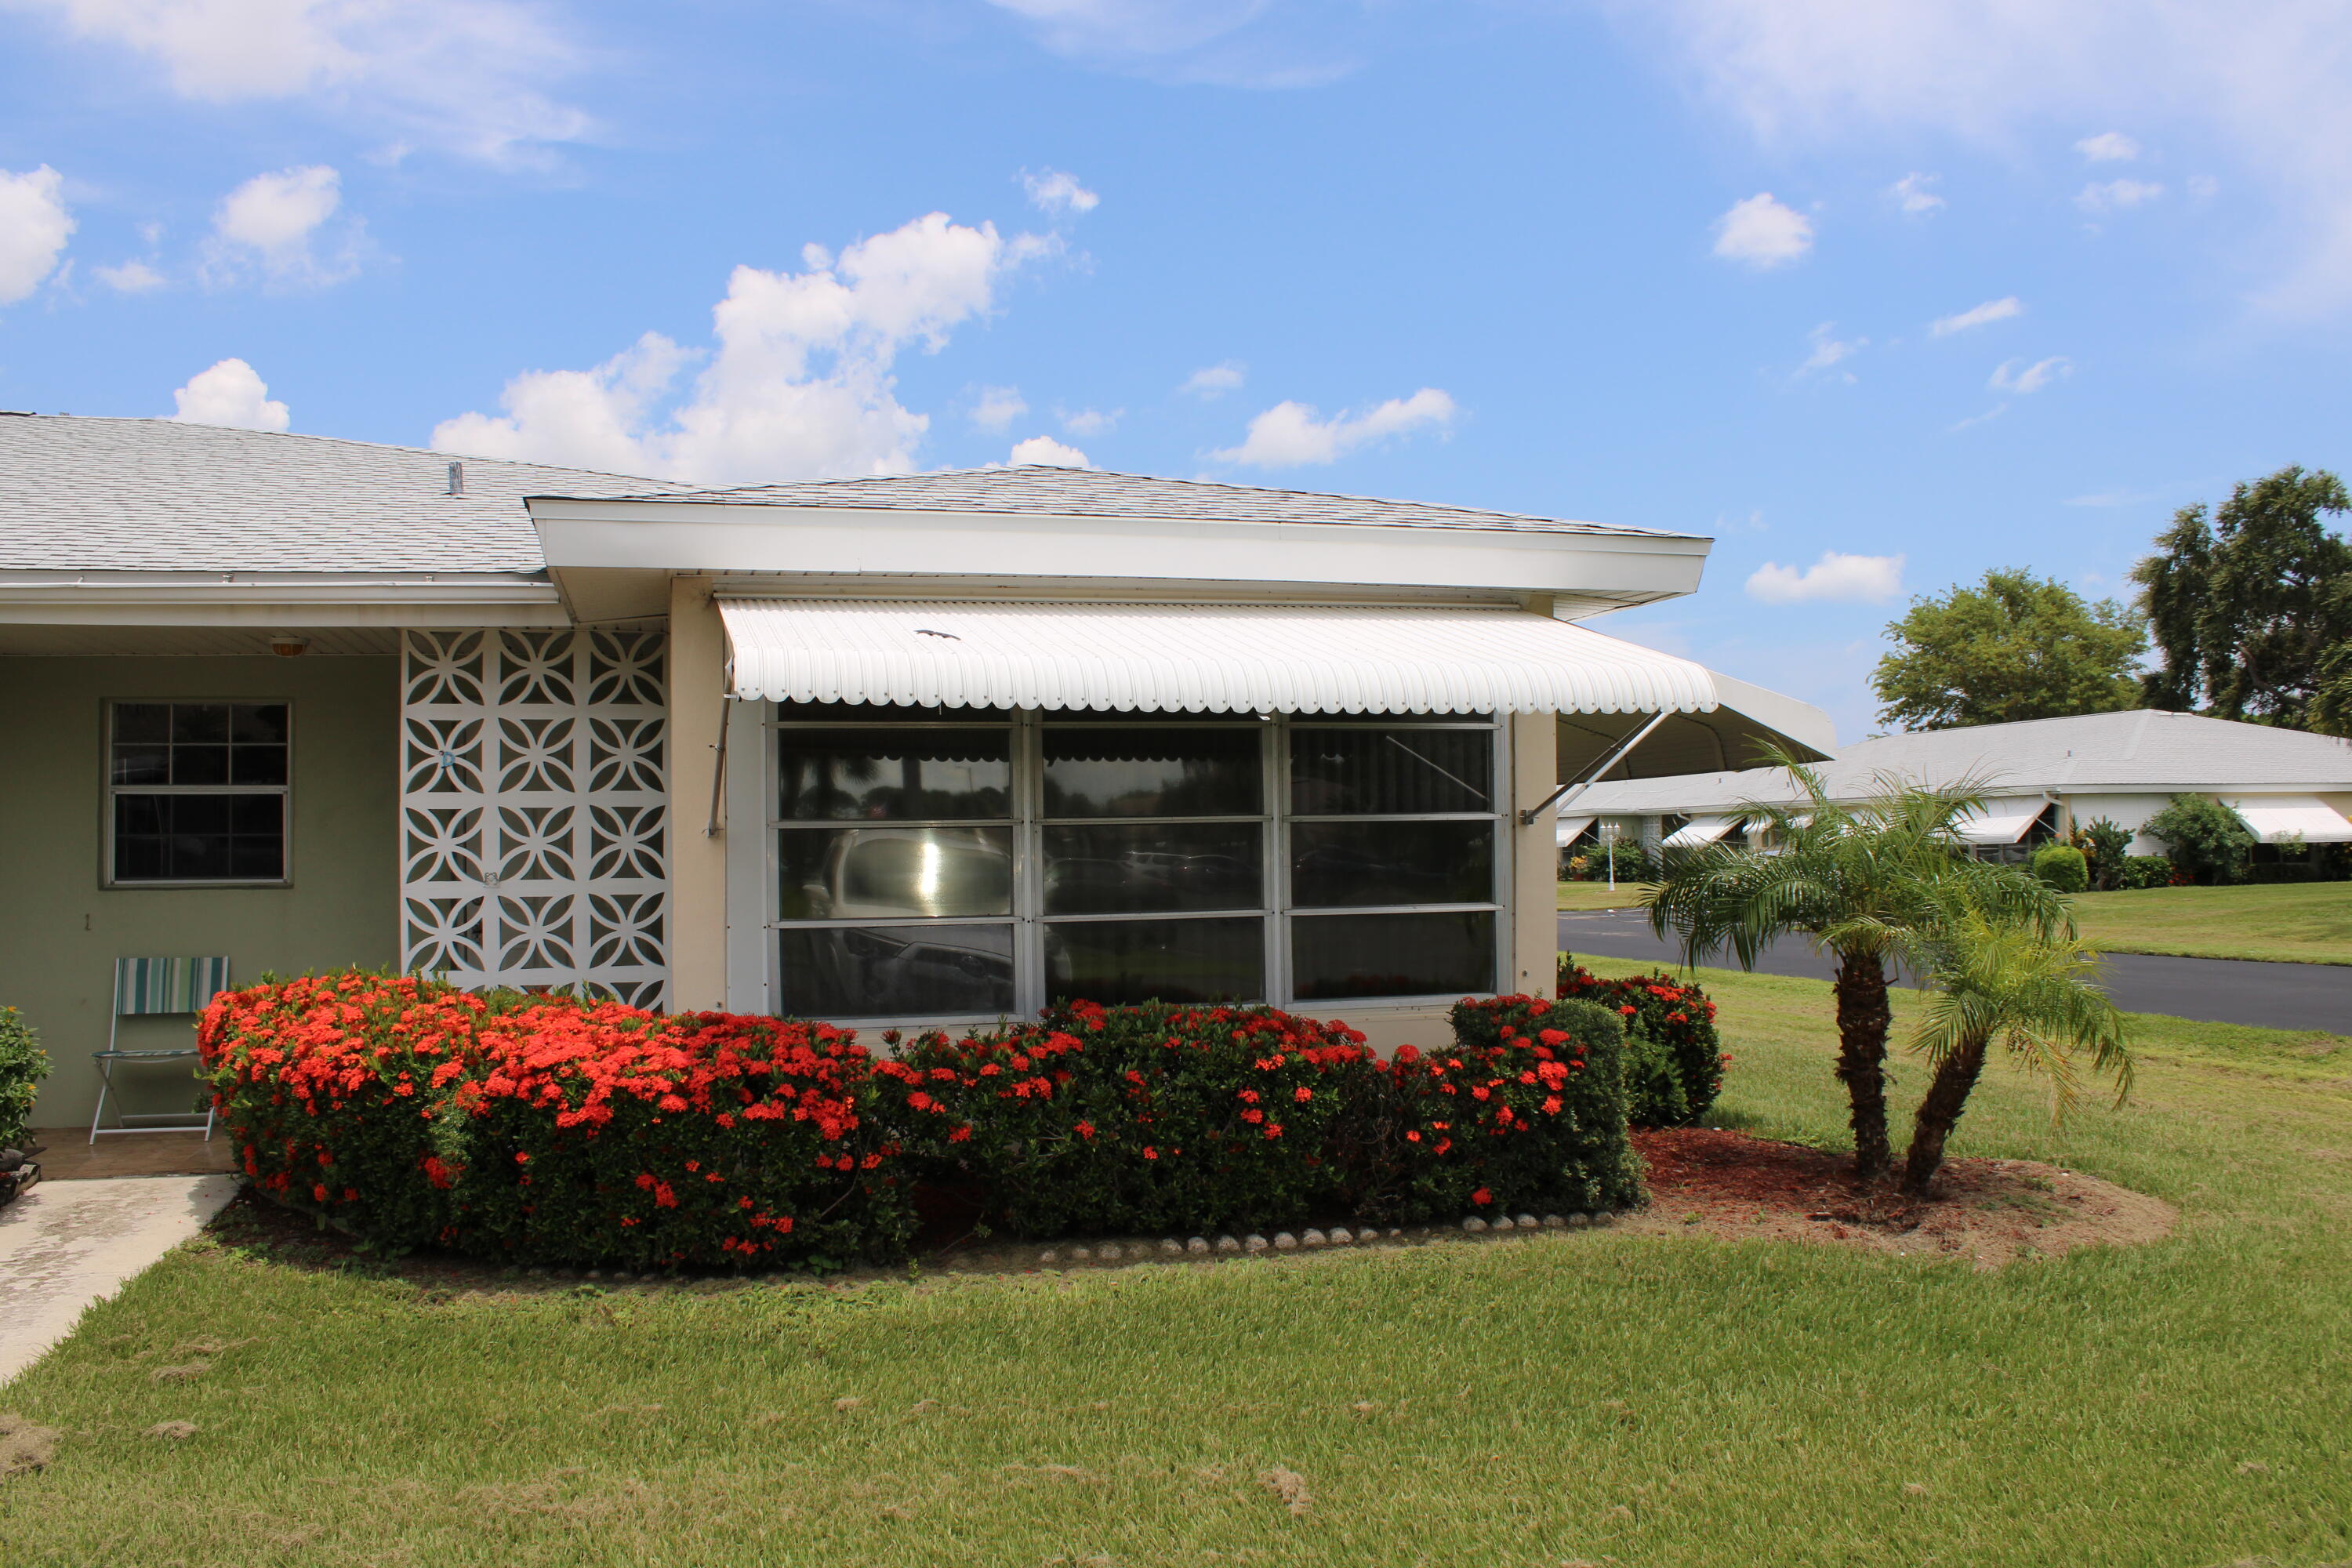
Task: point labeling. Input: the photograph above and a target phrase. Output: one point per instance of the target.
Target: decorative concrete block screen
(533, 810)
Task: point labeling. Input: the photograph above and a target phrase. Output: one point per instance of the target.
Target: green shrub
(22, 1065)
(1674, 1058)
(2105, 844)
(1526, 1111)
(2063, 868)
(2146, 872)
(2203, 838)
(1153, 1117)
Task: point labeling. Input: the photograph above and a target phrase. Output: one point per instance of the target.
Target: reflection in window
(1152, 773)
(1118, 962)
(1152, 867)
(1401, 771)
(892, 972)
(1334, 864)
(878, 873)
(837, 775)
(1447, 954)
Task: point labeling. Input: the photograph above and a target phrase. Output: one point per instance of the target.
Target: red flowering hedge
(547, 1128)
(1674, 1058)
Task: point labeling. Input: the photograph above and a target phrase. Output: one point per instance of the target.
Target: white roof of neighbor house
(1038, 489)
(2142, 751)
(1227, 658)
(154, 495)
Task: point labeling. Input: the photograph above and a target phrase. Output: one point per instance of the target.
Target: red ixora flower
(1482, 1197)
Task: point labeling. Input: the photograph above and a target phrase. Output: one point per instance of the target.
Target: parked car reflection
(873, 873)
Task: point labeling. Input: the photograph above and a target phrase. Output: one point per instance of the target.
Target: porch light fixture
(285, 644)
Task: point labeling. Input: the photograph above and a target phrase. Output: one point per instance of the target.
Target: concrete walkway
(2209, 990)
(65, 1244)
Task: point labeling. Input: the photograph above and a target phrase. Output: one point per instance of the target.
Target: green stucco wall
(61, 929)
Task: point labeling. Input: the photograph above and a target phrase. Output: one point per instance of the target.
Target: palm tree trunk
(1939, 1113)
(1864, 1020)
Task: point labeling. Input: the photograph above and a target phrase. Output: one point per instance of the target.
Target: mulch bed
(1728, 1185)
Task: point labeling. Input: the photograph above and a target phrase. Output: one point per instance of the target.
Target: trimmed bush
(2063, 869)
(1528, 1112)
(1146, 1118)
(2146, 872)
(1674, 1058)
(22, 1065)
(602, 1133)
(551, 1129)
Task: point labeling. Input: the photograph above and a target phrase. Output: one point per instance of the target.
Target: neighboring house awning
(2001, 821)
(1700, 830)
(1569, 829)
(2276, 816)
(1226, 658)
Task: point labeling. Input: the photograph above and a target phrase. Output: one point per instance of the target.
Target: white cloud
(1983, 315)
(1828, 349)
(1186, 40)
(1046, 450)
(1761, 232)
(2007, 377)
(231, 394)
(130, 277)
(1091, 421)
(271, 224)
(998, 408)
(34, 229)
(1911, 195)
(2261, 85)
(2099, 198)
(1835, 577)
(1289, 435)
(799, 384)
(1057, 192)
(468, 76)
(1216, 379)
(2109, 147)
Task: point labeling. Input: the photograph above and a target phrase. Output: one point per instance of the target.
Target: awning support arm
(718, 770)
(1527, 817)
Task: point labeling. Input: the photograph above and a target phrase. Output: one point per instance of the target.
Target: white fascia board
(873, 542)
(265, 599)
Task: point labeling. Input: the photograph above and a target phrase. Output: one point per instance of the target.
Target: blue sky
(1880, 296)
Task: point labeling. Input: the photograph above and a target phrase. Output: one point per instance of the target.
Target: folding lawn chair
(147, 987)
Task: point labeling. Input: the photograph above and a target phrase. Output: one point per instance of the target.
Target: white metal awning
(1567, 830)
(1700, 830)
(1224, 659)
(2281, 817)
(2001, 821)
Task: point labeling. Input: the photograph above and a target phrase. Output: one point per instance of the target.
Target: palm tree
(1857, 880)
(1996, 979)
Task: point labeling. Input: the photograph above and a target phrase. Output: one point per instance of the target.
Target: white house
(903, 750)
(2043, 778)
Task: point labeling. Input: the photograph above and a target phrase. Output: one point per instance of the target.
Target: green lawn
(1587, 1396)
(2303, 922)
(1599, 895)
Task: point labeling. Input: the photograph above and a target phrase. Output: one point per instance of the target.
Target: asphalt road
(2214, 990)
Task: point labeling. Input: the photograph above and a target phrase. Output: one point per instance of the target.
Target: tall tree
(1863, 881)
(2252, 606)
(2014, 647)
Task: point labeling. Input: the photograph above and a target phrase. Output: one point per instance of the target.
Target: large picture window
(953, 863)
(197, 792)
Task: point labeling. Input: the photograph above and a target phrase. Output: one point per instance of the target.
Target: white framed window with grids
(198, 792)
(955, 863)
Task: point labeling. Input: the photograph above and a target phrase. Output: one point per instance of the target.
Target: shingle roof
(154, 495)
(2139, 752)
(1091, 492)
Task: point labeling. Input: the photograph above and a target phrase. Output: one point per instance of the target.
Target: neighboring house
(906, 749)
(2043, 778)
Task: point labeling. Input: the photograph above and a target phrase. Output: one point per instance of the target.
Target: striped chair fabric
(145, 986)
